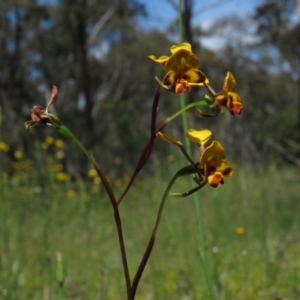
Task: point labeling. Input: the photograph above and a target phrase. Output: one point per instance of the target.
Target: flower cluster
(182, 74)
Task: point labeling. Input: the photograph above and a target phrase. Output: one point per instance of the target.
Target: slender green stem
(67, 133)
(183, 109)
(203, 254)
(2, 188)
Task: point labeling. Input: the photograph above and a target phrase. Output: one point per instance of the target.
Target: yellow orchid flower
(181, 69)
(229, 98)
(163, 59)
(213, 165)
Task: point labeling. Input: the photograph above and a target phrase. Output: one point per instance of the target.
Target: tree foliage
(96, 53)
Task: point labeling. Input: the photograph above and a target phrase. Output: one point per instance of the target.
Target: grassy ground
(251, 230)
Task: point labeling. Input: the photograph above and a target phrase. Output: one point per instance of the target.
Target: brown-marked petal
(229, 83)
(169, 79)
(194, 76)
(215, 179)
(181, 86)
(213, 154)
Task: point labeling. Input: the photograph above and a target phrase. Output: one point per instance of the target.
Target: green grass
(37, 221)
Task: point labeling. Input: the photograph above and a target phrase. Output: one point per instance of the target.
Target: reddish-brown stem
(151, 242)
(148, 148)
(150, 245)
(118, 225)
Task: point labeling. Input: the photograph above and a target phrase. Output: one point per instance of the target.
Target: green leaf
(188, 170)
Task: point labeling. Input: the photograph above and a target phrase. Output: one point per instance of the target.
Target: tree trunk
(82, 43)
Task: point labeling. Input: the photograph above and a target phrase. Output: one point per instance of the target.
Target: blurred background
(57, 232)
(95, 52)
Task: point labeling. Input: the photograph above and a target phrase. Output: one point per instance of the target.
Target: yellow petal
(169, 79)
(160, 60)
(194, 76)
(213, 154)
(199, 83)
(200, 136)
(182, 60)
(229, 83)
(168, 138)
(185, 46)
(225, 168)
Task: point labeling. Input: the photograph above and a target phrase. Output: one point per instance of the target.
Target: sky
(206, 13)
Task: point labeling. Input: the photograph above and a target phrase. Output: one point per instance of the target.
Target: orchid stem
(67, 133)
(151, 242)
(203, 254)
(148, 148)
(183, 109)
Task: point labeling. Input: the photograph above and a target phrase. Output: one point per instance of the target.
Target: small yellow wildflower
(240, 231)
(57, 167)
(4, 147)
(44, 145)
(59, 154)
(61, 176)
(95, 189)
(118, 183)
(170, 157)
(92, 173)
(71, 193)
(27, 165)
(59, 144)
(126, 177)
(18, 154)
(97, 180)
(50, 140)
